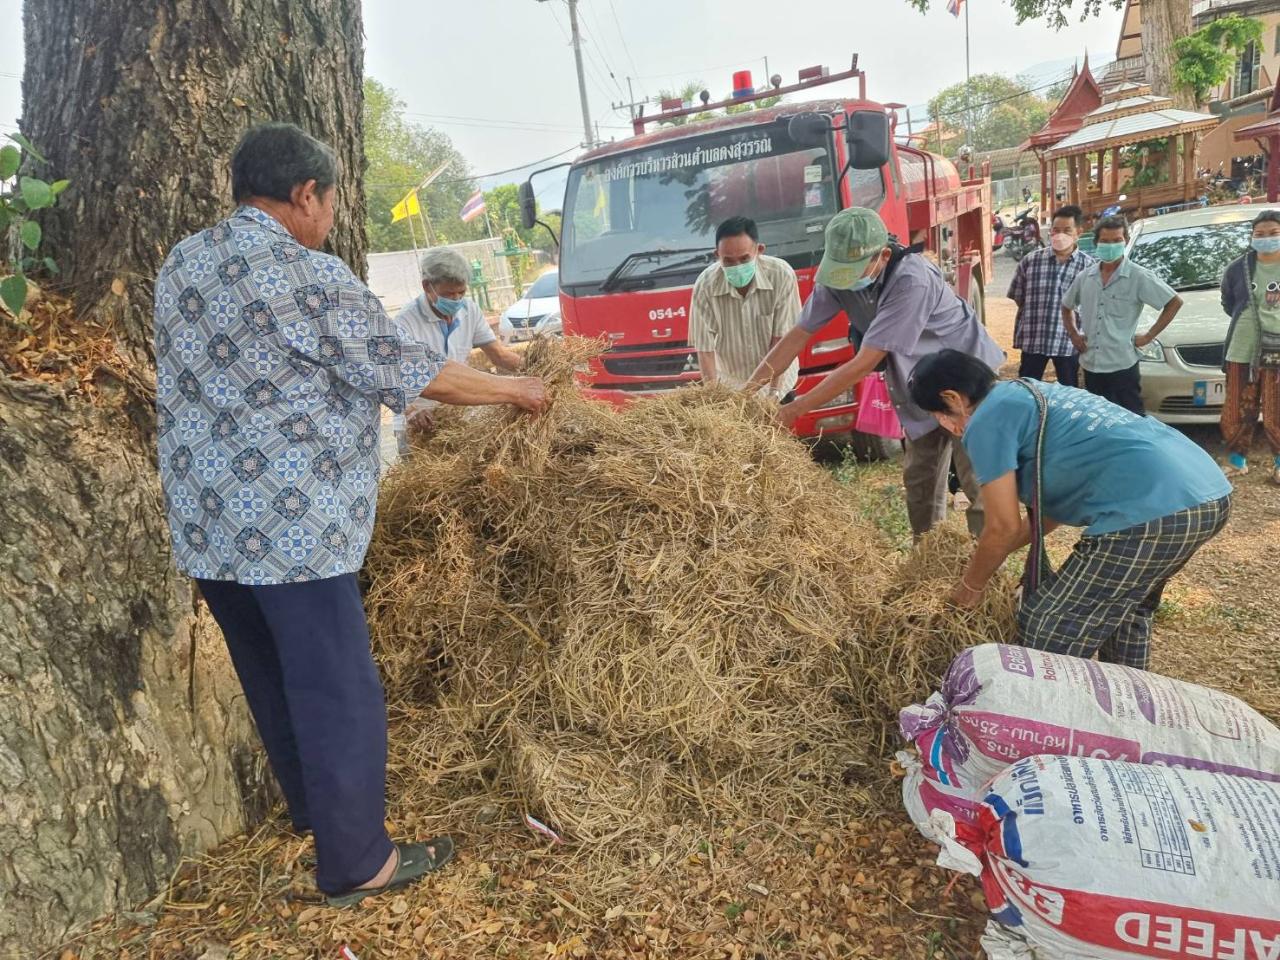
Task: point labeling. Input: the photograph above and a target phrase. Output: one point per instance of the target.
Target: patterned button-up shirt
(272, 361)
(1037, 289)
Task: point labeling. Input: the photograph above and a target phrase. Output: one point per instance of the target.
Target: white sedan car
(532, 314)
(1182, 378)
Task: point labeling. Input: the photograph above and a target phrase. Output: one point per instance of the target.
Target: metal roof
(1140, 104)
(1132, 129)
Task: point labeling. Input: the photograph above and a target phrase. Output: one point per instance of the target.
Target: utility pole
(582, 80)
(576, 38)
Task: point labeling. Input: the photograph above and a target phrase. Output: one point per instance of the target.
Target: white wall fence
(395, 278)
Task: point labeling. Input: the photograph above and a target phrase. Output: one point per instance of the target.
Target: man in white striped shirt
(742, 306)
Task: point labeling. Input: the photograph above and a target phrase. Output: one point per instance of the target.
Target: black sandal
(416, 860)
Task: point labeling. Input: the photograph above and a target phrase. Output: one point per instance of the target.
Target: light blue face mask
(1108, 252)
(1266, 244)
(863, 282)
(447, 307)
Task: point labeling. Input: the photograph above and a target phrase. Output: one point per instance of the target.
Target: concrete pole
(588, 138)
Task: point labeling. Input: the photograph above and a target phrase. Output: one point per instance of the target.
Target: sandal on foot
(416, 861)
(1233, 472)
(1275, 476)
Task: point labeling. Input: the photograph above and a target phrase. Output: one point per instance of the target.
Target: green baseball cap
(854, 237)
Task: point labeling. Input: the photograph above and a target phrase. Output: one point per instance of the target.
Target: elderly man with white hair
(447, 322)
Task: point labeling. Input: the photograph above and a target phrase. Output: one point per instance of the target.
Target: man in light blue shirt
(1110, 297)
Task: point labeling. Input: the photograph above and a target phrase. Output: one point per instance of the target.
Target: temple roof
(1124, 131)
(1082, 98)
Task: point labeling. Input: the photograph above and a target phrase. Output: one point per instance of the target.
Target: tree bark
(1163, 22)
(124, 740)
(139, 105)
(124, 743)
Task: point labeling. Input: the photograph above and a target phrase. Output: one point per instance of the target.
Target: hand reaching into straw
(529, 394)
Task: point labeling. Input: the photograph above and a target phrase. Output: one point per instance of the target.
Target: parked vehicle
(519, 322)
(640, 217)
(1023, 236)
(1182, 379)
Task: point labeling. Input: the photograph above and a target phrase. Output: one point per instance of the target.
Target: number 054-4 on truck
(640, 217)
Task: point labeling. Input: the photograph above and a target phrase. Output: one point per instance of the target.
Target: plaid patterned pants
(1104, 597)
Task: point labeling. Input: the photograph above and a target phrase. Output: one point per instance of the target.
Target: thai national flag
(954, 7)
(473, 207)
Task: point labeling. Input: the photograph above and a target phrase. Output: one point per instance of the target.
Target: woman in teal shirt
(1251, 298)
(1147, 497)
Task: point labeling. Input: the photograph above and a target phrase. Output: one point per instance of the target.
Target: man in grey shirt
(900, 310)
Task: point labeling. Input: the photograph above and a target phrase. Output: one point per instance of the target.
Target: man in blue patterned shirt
(1038, 284)
(272, 363)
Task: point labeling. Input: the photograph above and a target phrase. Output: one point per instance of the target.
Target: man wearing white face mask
(741, 307)
(1037, 288)
(900, 310)
(446, 321)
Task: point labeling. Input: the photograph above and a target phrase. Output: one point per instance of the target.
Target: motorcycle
(1024, 236)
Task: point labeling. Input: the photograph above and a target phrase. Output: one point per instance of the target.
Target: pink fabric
(876, 415)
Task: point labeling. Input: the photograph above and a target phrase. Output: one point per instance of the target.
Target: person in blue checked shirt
(272, 361)
(1038, 284)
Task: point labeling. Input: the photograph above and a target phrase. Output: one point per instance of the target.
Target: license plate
(1209, 393)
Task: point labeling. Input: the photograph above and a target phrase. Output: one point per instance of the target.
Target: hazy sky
(498, 75)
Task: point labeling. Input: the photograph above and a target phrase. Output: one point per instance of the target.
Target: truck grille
(671, 365)
(1202, 354)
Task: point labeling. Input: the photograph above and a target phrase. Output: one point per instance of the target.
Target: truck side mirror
(867, 134)
(809, 130)
(528, 206)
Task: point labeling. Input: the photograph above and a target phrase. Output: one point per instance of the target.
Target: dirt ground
(863, 888)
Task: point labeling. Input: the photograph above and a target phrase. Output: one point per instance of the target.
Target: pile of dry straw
(618, 621)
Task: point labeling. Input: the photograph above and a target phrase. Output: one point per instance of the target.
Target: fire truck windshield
(672, 196)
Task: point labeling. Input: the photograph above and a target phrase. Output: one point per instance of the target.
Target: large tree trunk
(1163, 22)
(139, 105)
(124, 742)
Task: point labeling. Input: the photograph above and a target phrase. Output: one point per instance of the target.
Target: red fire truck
(639, 219)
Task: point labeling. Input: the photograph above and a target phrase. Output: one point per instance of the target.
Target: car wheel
(977, 298)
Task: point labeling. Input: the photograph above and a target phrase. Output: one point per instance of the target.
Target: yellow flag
(406, 207)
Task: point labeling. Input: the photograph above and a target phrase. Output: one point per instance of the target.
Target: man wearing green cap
(900, 310)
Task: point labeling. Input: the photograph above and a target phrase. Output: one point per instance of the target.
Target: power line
(605, 54)
(704, 71)
(623, 37)
(601, 87)
(485, 176)
(992, 103)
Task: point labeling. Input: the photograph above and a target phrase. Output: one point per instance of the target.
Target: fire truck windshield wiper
(628, 263)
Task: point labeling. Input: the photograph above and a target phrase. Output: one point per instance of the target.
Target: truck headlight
(1153, 352)
(842, 400)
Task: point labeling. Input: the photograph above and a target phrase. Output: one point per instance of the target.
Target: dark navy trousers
(302, 653)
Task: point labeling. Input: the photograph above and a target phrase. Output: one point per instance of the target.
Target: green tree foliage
(502, 205)
(1164, 22)
(1001, 109)
(1205, 59)
(21, 197)
(400, 155)
(1056, 12)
